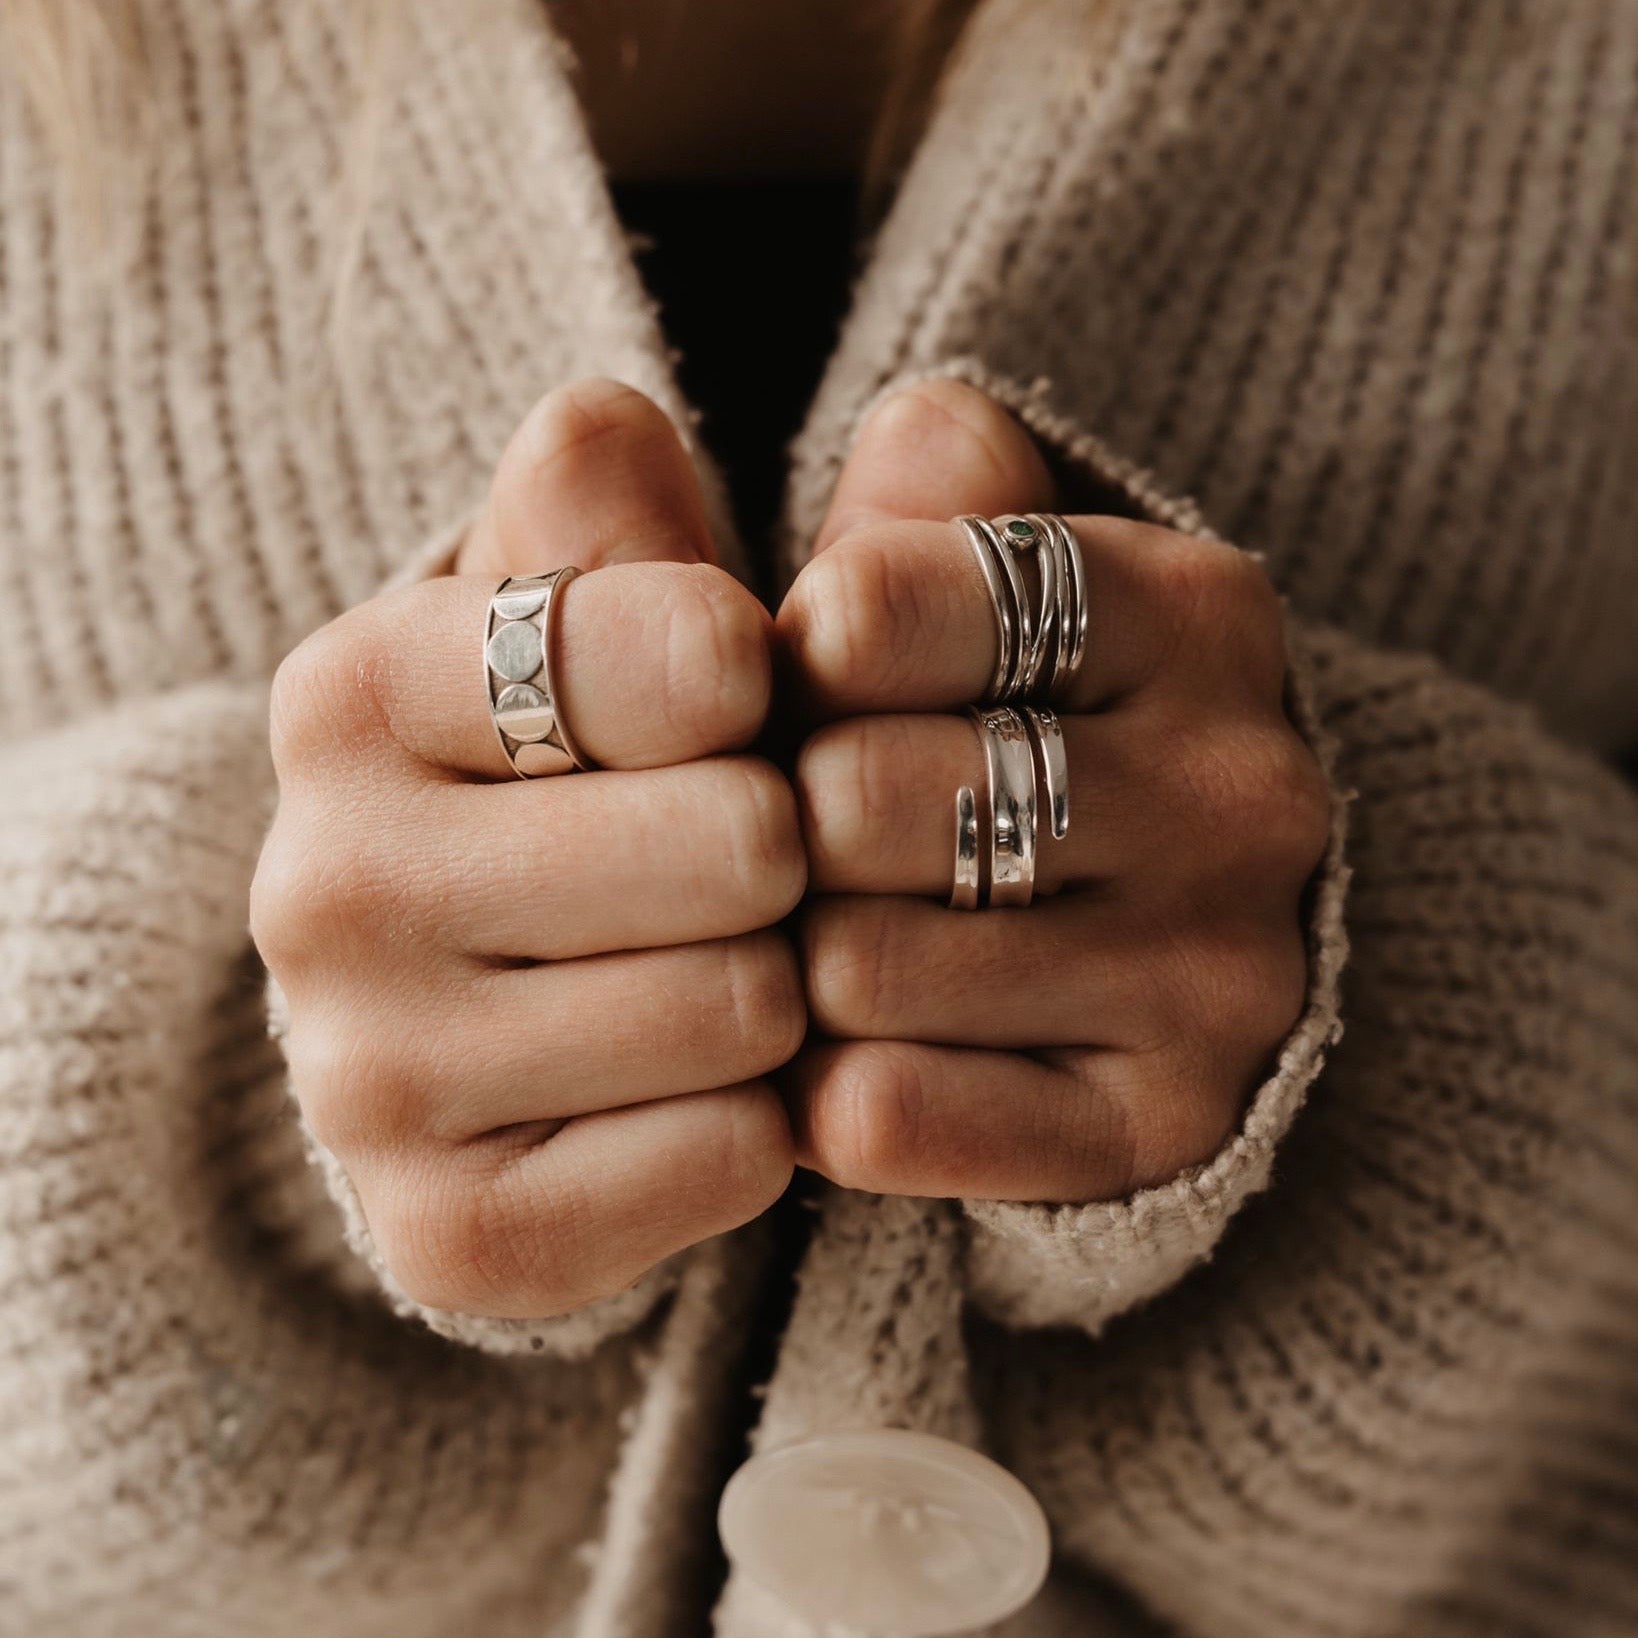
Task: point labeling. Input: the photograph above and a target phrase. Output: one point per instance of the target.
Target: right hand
(532, 1017)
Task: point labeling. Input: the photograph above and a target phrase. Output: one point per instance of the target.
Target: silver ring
(1025, 768)
(1041, 618)
(991, 560)
(964, 891)
(1046, 737)
(1009, 763)
(1072, 604)
(524, 705)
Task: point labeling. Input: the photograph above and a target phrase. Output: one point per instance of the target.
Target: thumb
(935, 450)
(595, 474)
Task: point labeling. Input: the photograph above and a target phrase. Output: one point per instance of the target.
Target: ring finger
(605, 861)
(470, 1058)
(881, 968)
(1149, 788)
(1053, 978)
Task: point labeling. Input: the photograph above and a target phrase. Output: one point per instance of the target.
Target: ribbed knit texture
(1363, 281)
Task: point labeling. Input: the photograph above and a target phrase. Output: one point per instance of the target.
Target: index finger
(896, 617)
(654, 664)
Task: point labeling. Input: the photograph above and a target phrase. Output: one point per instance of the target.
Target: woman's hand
(1105, 1038)
(532, 1018)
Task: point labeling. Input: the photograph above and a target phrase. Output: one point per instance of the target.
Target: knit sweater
(1360, 280)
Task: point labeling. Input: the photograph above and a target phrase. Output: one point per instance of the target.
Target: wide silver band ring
(998, 836)
(524, 703)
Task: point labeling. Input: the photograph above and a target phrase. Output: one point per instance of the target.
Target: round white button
(901, 1534)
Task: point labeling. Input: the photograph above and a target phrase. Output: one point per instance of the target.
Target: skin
(558, 1029)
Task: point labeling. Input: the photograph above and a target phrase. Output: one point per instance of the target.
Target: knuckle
(763, 838)
(861, 620)
(754, 1154)
(461, 1245)
(848, 965)
(1244, 996)
(325, 694)
(1178, 1115)
(1281, 984)
(1185, 571)
(844, 598)
(358, 1090)
(1198, 576)
(316, 899)
(277, 927)
(873, 1123)
(1300, 800)
(1260, 796)
(1213, 593)
(765, 1005)
(848, 778)
(346, 895)
(716, 657)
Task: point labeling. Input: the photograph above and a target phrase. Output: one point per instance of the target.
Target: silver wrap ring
(524, 703)
(1001, 874)
(1036, 579)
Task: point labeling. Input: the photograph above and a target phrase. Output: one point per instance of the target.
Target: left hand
(1107, 1037)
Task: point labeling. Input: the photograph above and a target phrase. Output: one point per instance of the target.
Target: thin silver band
(990, 560)
(1046, 736)
(964, 894)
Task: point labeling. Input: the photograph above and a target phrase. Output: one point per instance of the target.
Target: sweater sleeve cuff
(1035, 1264)
(566, 1336)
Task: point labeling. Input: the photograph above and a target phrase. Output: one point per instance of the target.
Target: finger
(453, 1061)
(1156, 796)
(521, 1228)
(902, 969)
(550, 869)
(1065, 973)
(595, 474)
(897, 618)
(935, 450)
(893, 1117)
(654, 664)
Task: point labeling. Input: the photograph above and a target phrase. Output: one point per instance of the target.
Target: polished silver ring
(1001, 875)
(964, 891)
(524, 704)
(1026, 771)
(1036, 579)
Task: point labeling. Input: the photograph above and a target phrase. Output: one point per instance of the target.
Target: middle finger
(1147, 788)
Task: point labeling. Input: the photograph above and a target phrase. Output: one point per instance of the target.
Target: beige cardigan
(1361, 279)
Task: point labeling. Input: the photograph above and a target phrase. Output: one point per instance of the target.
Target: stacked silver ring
(1037, 584)
(524, 704)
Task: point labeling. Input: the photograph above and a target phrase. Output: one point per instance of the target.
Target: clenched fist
(534, 1018)
(1106, 1037)
(537, 1020)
